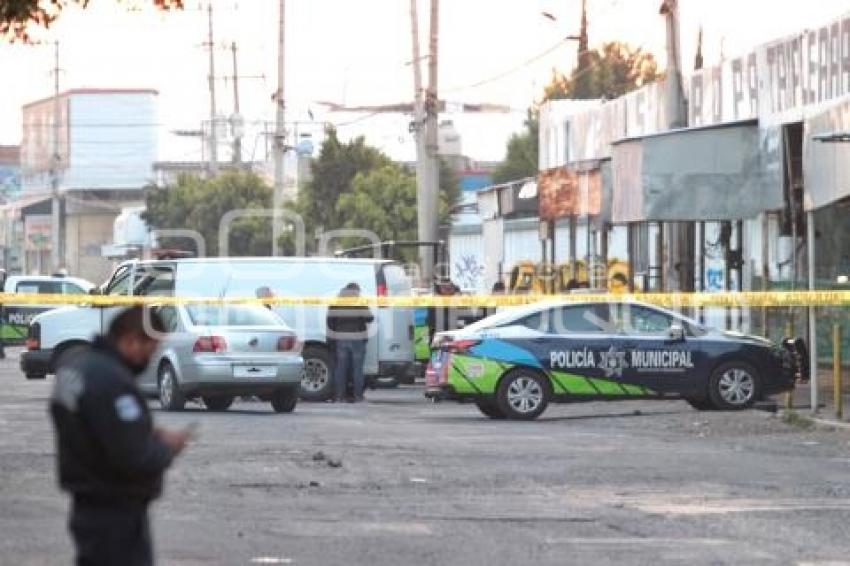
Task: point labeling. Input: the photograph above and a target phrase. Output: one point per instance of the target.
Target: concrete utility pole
(213, 139)
(428, 210)
(237, 116)
(422, 167)
(279, 147)
(674, 97)
(57, 205)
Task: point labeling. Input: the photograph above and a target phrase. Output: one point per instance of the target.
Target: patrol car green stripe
(474, 375)
(575, 384)
(633, 389)
(606, 387)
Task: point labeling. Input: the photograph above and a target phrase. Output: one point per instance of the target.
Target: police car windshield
(507, 316)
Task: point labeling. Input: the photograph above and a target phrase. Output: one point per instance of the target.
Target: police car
(514, 363)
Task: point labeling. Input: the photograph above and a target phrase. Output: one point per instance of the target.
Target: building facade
(96, 148)
(736, 200)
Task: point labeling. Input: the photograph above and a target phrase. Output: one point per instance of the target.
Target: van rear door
(395, 325)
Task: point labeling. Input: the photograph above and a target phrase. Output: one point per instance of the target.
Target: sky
(358, 53)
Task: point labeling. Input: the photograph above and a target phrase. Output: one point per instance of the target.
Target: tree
(323, 203)
(607, 73)
(198, 204)
(521, 159)
(611, 72)
(333, 173)
(383, 201)
(18, 16)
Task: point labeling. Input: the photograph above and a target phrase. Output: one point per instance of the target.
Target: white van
(389, 352)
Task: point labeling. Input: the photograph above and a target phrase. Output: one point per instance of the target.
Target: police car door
(653, 355)
(580, 336)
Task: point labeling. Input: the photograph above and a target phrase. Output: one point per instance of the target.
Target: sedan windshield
(232, 315)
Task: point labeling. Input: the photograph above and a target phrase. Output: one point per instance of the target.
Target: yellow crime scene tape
(726, 299)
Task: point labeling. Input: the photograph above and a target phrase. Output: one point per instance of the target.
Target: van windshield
(232, 315)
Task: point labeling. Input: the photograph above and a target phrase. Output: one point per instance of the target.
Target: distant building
(10, 171)
(107, 144)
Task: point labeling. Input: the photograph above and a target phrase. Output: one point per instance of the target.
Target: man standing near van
(110, 457)
(347, 328)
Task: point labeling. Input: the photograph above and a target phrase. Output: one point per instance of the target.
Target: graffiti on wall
(468, 272)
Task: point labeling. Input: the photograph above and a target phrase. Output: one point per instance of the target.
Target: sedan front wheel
(733, 386)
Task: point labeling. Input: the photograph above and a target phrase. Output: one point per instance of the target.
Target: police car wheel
(170, 396)
(284, 400)
(490, 408)
(522, 395)
(317, 379)
(701, 404)
(733, 385)
(217, 402)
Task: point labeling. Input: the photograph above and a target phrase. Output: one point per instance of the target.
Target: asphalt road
(630, 482)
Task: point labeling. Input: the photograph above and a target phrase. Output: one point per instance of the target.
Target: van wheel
(385, 382)
(317, 379)
(170, 396)
(217, 402)
(284, 400)
(522, 394)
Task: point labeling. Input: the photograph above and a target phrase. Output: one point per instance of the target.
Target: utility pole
(213, 139)
(417, 127)
(429, 207)
(582, 78)
(57, 205)
(279, 147)
(674, 94)
(236, 119)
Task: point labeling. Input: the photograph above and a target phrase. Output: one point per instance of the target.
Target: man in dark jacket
(347, 327)
(110, 457)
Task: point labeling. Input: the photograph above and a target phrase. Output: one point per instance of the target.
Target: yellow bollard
(789, 396)
(836, 372)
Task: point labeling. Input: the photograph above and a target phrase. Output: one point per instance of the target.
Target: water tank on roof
(129, 229)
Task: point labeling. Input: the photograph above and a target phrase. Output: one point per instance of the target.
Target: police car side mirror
(676, 332)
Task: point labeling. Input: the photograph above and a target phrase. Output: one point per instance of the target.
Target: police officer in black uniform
(111, 458)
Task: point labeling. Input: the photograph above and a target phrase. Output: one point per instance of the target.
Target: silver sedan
(217, 353)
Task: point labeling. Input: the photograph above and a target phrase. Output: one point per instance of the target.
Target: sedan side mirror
(676, 333)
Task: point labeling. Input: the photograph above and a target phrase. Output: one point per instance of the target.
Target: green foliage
(357, 186)
(199, 204)
(608, 73)
(449, 190)
(334, 171)
(18, 16)
(382, 200)
(521, 159)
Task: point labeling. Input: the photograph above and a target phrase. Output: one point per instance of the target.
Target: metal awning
(826, 161)
(724, 172)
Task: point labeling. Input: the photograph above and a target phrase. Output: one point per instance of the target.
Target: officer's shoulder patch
(128, 408)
